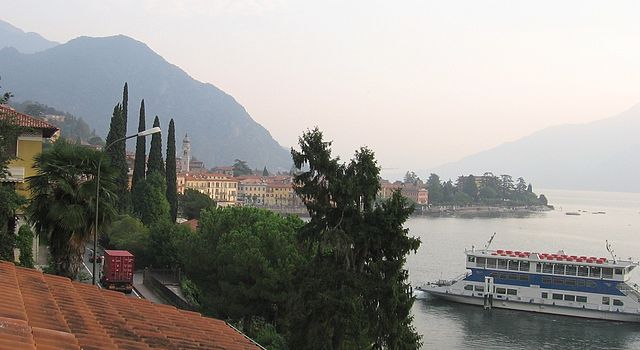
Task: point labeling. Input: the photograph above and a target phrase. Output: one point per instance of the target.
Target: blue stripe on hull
(601, 286)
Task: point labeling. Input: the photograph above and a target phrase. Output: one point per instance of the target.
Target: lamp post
(95, 229)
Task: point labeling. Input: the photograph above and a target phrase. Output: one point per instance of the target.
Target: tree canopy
(192, 202)
(241, 168)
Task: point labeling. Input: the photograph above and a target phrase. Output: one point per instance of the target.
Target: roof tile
(50, 312)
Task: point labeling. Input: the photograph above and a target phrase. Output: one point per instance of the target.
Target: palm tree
(63, 201)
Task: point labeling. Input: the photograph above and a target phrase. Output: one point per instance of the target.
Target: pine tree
(116, 149)
(155, 162)
(125, 106)
(141, 151)
(172, 186)
(265, 172)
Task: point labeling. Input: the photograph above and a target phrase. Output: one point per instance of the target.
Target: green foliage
(191, 292)
(141, 152)
(166, 240)
(240, 168)
(485, 190)
(71, 128)
(129, 233)
(63, 201)
(24, 242)
(265, 334)
(116, 149)
(243, 260)
(150, 201)
(4, 98)
(7, 243)
(192, 202)
(172, 186)
(265, 172)
(411, 178)
(354, 291)
(155, 162)
(125, 106)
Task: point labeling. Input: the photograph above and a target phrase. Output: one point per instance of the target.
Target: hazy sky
(419, 82)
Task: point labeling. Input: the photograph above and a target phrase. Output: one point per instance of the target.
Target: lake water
(445, 325)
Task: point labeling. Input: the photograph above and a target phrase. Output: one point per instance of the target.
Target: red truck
(117, 270)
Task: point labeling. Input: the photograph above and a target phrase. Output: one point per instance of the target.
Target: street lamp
(95, 230)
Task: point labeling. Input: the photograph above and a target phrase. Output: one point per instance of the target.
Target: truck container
(117, 270)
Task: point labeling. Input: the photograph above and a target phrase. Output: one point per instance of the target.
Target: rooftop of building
(27, 121)
(40, 311)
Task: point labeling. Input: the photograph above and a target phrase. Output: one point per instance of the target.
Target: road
(88, 266)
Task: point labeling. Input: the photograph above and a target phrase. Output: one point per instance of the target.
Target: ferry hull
(540, 308)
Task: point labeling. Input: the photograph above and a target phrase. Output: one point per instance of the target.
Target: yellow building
(219, 187)
(252, 191)
(280, 195)
(27, 145)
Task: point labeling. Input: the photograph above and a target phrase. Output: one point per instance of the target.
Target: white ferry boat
(561, 284)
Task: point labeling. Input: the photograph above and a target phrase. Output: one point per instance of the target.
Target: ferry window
(546, 280)
(570, 282)
(605, 300)
(618, 271)
(513, 265)
(547, 268)
(468, 287)
(556, 296)
(538, 267)
(513, 276)
(583, 271)
(591, 284)
(558, 281)
(471, 258)
(494, 274)
(480, 261)
(545, 295)
(571, 270)
(581, 299)
(524, 277)
(479, 288)
(502, 276)
(607, 272)
(524, 266)
(558, 269)
(617, 302)
(580, 283)
(515, 292)
(501, 290)
(595, 272)
(570, 297)
(502, 264)
(491, 262)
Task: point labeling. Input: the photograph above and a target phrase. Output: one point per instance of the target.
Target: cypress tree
(117, 154)
(141, 151)
(125, 106)
(155, 163)
(265, 172)
(172, 186)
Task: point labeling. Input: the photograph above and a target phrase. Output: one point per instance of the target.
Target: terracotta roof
(26, 121)
(40, 311)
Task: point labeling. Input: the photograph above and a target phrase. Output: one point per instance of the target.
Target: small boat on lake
(572, 213)
(560, 284)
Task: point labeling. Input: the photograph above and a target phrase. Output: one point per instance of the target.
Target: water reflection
(459, 326)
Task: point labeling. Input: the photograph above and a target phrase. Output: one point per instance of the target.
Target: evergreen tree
(151, 200)
(265, 172)
(116, 149)
(172, 186)
(141, 150)
(125, 106)
(155, 162)
(354, 292)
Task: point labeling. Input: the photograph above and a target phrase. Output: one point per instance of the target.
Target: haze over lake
(452, 326)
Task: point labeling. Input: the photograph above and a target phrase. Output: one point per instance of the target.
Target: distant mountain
(85, 78)
(11, 36)
(602, 155)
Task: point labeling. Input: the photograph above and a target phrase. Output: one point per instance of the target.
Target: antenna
(486, 246)
(610, 251)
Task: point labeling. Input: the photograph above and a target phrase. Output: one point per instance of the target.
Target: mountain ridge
(25, 42)
(85, 77)
(599, 155)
